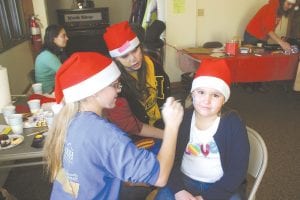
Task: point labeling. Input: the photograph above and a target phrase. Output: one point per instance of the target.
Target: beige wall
(228, 19)
(18, 61)
(119, 10)
(180, 33)
(281, 29)
(224, 19)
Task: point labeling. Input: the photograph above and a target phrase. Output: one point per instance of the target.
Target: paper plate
(14, 141)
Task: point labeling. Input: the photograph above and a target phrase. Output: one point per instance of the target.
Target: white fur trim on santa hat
(212, 82)
(125, 48)
(93, 84)
(291, 1)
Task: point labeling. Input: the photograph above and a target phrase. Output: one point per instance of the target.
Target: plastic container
(231, 48)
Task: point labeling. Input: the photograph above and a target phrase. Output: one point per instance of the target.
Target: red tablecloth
(23, 106)
(251, 68)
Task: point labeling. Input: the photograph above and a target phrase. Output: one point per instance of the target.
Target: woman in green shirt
(51, 56)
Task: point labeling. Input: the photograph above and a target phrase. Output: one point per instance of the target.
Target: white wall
(224, 19)
(180, 33)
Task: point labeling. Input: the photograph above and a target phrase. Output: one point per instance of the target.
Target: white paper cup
(37, 88)
(49, 116)
(15, 121)
(7, 111)
(34, 105)
(259, 45)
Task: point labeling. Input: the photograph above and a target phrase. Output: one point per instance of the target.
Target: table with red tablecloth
(250, 67)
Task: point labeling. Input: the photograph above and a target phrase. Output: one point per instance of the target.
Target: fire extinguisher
(36, 37)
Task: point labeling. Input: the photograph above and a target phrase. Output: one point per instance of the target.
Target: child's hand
(172, 112)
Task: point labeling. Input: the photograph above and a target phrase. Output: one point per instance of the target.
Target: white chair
(258, 160)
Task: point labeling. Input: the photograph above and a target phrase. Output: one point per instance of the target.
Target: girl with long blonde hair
(87, 156)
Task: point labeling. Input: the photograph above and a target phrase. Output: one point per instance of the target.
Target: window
(12, 24)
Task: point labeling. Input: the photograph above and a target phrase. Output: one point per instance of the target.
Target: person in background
(213, 148)
(145, 83)
(87, 156)
(51, 56)
(262, 26)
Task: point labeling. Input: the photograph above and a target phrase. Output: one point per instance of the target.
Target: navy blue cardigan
(232, 140)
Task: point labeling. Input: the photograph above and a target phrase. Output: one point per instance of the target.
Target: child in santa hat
(145, 83)
(213, 147)
(87, 156)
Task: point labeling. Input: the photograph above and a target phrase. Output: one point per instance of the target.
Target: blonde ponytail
(54, 144)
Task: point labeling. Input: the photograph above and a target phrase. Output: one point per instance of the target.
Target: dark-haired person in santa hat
(87, 156)
(146, 86)
(212, 153)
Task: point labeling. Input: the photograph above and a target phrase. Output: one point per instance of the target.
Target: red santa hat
(213, 74)
(120, 39)
(84, 74)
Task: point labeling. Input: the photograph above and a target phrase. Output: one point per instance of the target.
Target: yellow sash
(150, 104)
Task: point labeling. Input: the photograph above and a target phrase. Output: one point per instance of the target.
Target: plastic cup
(34, 105)
(15, 121)
(49, 116)
(7, 111)
(37, 88)
(259, 44)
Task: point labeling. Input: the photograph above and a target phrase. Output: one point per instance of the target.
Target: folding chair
(258, 160)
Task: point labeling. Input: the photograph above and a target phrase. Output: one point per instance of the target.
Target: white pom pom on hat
(213, 74)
